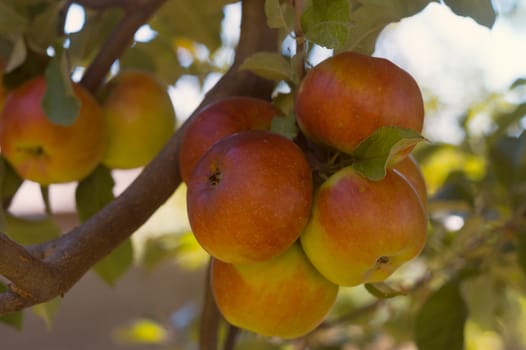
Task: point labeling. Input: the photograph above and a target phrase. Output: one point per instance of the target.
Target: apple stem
(298, 61)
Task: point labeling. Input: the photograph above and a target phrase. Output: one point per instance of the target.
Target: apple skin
(410, 170)
(361, 230)
(345, 98)
(218, 120)
(284, 297)
(45, 152)
(139, 117)
(249, 197)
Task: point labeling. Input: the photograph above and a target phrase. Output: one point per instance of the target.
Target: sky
(451, 57)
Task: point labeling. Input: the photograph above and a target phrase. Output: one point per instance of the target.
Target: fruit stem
(298, 61)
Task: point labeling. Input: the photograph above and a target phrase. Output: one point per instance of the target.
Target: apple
(42, 151)
(345, 98)
(362, 230)
(249, 197)
(410, 170)
(283, 297)
(219, 119)
(139, 117)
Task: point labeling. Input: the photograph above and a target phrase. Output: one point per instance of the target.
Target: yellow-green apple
(219, 119)
(45, 152)
(283, 297)
(249, 197)
(362, 230)
(408, 168)
(345, 98)
(139, 116)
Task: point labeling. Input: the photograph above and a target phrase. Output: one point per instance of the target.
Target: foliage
(480, 184)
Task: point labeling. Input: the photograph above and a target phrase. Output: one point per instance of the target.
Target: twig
(210, 318)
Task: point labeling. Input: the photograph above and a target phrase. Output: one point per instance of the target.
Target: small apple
(410, 170)
(219, 119)
(345, 98)
(249, 197)
(283, 297)
(362, 230)
(45, 152)
(139, 117)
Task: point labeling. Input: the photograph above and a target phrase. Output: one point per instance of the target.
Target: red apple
(345, 98)
(362, 230)
(45, 152)
(220, 119)
(410, 170)
(139, 117)
(249, 197)
(284, 297)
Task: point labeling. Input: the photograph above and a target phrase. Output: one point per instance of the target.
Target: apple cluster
(281, 242)
(123, 127)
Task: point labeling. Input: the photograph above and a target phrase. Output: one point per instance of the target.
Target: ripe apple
(282, 297)
(139, 117)
(220, 119)
(45, 152)
(362, 230)
(345, 98)
(249, 197)
(410, 170)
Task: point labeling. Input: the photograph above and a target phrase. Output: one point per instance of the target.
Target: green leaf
(116, 264)
(12, 23)
(383, 290)
(440, 322)
(94, 192)
(59, 102)
(268, 65)
(42, 31)
(374, 154)
(327, 22)
(518, 82)
(521, 248)
(480, 10)
(285, 126)
(508, 160)
(372, 16)
(31, 231)
(47, 311)
(18, 55)
(277, 14)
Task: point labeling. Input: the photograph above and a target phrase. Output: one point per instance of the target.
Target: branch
(66, 259)
(136, 14)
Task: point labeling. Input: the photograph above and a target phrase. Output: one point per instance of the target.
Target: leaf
(42, 31)
(268, 65)
(372, 16)
(327, 22)
(31, 231)
(480, 10)
(508, 160)
(142, 331)
(285, 126)
(383, 290)
(276, 14)
(440, 322)
(47, 311)
(12, 23)
(10, 181)
(13, 319)
(94, 192)
(518, 82)
(59, 102)
(116, 264)
(374, 153)
(521, 248)
(18, 55)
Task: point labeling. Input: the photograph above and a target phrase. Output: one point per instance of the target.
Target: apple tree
(459, 282)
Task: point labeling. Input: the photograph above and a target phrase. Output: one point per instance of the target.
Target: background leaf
(327, 22)
(285, 126)
(13, 319)
(440, 322)
(268, 65)
(116, 264)
(47, 311)
(27, 231)
(480, 10)
(94, 192)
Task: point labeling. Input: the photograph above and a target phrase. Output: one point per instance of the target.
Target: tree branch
(66, 259)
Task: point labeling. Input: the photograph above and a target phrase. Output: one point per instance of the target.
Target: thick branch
(71, 255)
